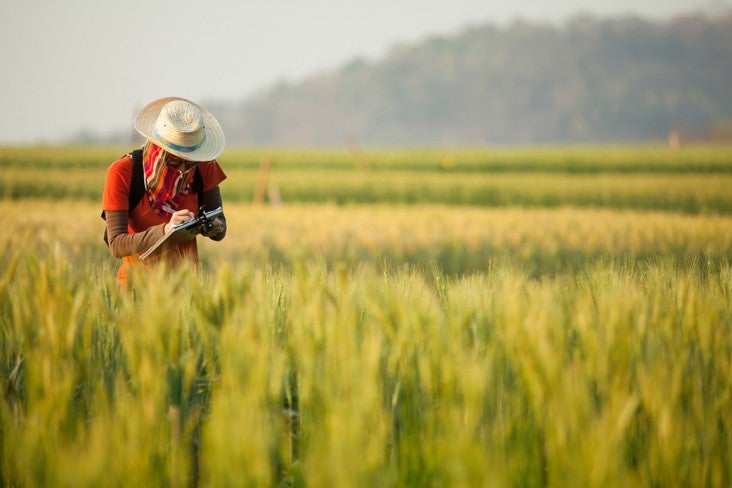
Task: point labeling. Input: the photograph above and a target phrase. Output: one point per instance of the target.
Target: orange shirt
(116, 197)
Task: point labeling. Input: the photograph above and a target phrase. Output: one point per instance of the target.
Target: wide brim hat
(181, 127)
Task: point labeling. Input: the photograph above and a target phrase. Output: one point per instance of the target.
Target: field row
(692, 180)
(689, 193)
(572, 160)
(458, 239)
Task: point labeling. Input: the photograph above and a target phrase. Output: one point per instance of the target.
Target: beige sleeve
(123, 244)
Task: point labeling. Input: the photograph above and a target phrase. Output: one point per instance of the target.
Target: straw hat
(181, 127)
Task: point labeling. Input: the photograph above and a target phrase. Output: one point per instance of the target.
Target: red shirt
(116, 197)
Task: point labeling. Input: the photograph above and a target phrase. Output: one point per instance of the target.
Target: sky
(89, 65)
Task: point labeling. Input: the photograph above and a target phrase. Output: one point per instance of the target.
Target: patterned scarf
(166, 186)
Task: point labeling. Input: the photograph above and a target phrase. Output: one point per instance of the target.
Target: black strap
(197, 183)
(137, 184)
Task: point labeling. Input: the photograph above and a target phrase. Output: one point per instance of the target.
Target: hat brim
(212, 146)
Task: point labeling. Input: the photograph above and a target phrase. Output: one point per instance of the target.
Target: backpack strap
(137, 184)
(197, 184)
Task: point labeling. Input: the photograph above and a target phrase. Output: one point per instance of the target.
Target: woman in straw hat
(182, 139)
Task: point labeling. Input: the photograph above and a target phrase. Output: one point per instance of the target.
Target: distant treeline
(590, 80)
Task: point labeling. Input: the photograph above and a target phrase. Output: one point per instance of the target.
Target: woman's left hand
(215, 229)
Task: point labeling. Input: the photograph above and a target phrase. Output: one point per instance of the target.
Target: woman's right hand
(178, 217)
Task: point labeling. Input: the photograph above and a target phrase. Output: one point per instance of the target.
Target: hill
(589, 80)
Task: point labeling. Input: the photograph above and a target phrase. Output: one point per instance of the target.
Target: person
(181, 139)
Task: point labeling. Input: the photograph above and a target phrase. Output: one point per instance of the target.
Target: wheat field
(390, 341)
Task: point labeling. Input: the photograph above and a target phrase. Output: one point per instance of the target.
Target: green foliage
(693, 180)
(611, 375)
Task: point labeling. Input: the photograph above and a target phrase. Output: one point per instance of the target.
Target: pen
(168, 209)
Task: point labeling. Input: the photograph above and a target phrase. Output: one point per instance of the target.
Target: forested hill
(590, 80)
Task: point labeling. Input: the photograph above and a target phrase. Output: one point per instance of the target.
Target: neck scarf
(166, 186)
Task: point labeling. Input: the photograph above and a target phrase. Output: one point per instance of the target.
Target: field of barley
(556, 316)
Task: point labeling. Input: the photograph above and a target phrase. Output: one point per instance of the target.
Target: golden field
(540, 317)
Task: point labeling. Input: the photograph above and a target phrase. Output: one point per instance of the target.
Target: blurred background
(377, 73)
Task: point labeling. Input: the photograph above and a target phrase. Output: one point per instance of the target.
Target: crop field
(417, 317)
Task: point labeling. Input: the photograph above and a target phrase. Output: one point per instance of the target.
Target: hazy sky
(68, 65)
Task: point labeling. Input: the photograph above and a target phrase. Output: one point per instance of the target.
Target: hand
(178, 217)
(215, 228)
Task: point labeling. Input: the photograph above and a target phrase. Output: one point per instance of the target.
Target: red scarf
(166, 186)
